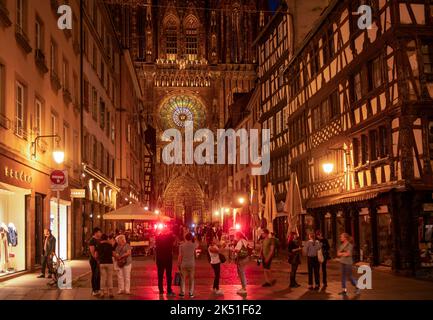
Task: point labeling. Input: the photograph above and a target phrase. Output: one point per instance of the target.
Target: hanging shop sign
(59, 180)
(19, 175)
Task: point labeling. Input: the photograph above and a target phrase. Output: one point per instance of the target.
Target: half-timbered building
(360, 123)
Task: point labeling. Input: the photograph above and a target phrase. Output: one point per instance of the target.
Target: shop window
(425, 237)
(384, 234)
(13, 203)
(365, 244)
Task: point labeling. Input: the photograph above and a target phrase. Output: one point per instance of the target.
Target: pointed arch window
(171, 32)
(191, 39)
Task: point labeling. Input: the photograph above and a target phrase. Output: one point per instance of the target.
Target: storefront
(12, 228)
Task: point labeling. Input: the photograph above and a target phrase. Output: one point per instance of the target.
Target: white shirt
(214, 257)
(240, 243)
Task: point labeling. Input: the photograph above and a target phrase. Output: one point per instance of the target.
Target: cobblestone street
(144, 285)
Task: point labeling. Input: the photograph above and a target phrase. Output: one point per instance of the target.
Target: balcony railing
(22, 38)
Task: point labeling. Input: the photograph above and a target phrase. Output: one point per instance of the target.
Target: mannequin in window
(4, 254)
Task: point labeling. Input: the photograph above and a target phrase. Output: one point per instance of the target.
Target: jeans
(107, 278)
(187, 272)
(96, 275)
(164, 265)
(346, 272)
(124, 278)
(324, 273)
(313, 268)
(217, 271)
(47, 262)
(241, 264)
(294, 268)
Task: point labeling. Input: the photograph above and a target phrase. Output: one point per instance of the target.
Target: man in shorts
(268, 249)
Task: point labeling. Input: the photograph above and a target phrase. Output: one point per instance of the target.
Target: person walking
(326, 256)
(123, 259)
(215, 262)
(164, 260)
(241, 252)
(345, 254)
(93, 260)
(48, 252)
(267, 254)
(294, 248)
(105, 252)
(312, 248)
(186, 263)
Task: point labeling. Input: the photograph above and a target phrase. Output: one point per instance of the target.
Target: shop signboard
(78, 193)
(59, 180)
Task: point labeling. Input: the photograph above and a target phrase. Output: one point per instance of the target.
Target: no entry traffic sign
(59, 179)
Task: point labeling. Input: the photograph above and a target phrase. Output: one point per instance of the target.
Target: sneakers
(241, 291)
(95, 293)
(191, 295)
(182, 295)
(120, 292)
(218, 292)
(41, 276)
(343, 293)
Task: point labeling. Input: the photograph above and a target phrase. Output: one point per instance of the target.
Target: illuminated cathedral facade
(191, 57)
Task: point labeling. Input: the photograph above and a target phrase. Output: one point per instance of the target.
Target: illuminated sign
(78, 193)
(18, 175)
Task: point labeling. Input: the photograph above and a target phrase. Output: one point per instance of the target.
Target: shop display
(8, 240)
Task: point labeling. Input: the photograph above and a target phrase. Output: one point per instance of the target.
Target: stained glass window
(178, 109)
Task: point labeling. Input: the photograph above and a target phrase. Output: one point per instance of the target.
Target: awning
(339, 199)
(134, 212)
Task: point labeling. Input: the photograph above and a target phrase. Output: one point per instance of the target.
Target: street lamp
(58, 155)
(241, 200)
(328, 167)
(157, 212)
(226, 210)
(217, 213)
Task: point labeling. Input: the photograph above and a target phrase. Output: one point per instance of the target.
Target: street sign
(78, 193)
(59, 180)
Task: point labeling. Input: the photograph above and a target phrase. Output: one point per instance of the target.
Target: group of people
(187, 260)
(317, 252)
(109, 255)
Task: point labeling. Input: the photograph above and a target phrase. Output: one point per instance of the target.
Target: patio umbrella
(270, 207)
(293, 205)
(134, 212)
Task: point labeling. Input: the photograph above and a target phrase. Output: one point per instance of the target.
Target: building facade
(39, 96)
(191, 57)
(359, 123)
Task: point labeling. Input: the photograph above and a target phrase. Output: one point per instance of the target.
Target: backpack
(245, 252)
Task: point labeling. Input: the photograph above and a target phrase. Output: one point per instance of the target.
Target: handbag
(121, 262)
(222, 258)
(177, 279)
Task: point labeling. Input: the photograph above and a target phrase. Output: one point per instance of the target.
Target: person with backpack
(242, 254)
(312, 250)
(215, 261)
(267, 253)
(345, 254)
(326, 256)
